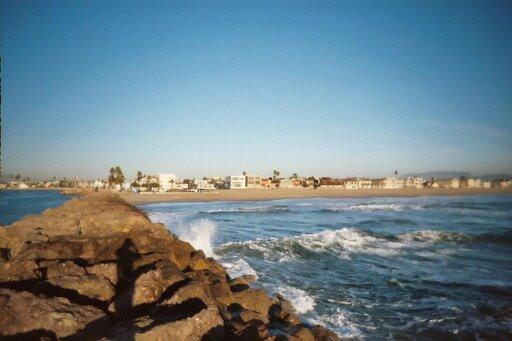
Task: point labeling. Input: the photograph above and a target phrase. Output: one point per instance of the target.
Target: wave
(373, 207)
(434, 236)
(341, 321)
(301, 301)
(199, 234)
(239, 268)
(257, 209)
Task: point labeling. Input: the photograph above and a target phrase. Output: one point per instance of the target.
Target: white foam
(375, 207)
(431, 236)
(301, 301)
(239, 268)
(339, 321)
(199, 234)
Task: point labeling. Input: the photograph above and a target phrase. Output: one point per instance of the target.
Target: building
(393, 183)
(205, 185)
(413, 182)
(23, 185)
(253, 181)
(311, 182)
(99, 184)
(326, 182)
(237, 181)
(486, 184)
(474, 183)
(268, 183)
(505, 183)
(455, 183)
(166, 181)
(378, 183)
(291, 183)
(350, 183)
(364, 183)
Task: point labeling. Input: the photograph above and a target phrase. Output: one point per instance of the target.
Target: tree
(396, 172)
(139, 175)
(295, 176)
(116, 176)
(276, 174)
(17, 177)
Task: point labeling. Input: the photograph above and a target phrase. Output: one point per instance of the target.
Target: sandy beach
(282, 193)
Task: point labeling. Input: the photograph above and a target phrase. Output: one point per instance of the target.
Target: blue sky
(214, 88)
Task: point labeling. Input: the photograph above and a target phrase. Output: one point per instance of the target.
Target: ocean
(367, 268)
(15, 204)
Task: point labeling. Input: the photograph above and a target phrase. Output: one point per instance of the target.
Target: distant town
(169, 182)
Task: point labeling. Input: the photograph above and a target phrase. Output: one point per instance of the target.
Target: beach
(283, 193)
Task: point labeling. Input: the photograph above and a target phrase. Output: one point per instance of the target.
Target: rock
(22, 312)
(61, 268)
(323, 334)
(108, 270)
(255, 300)
(18, 270)
(92, 286)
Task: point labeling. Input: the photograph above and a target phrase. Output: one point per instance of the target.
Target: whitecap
(199, 234)
(301, 301)
(340, 321)
(239, 268)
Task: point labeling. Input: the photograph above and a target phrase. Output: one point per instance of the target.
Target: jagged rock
(18, 270)
(188, 291)
(323, 334)
(255, 300)
(23, 312)
(61, 268)
(92, 286)
(245, 280)
(164, 327)
(108, 270)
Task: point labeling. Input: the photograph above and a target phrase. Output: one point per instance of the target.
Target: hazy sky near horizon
(214, 88)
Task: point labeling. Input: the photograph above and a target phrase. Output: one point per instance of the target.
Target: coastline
(282, 193)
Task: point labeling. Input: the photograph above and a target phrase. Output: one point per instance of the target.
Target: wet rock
(255, 300)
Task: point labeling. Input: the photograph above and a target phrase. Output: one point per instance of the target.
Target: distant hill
(440, 175)
(457, 174)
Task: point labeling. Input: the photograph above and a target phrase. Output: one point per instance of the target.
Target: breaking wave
(239, 268)
(340, 321)
(199, 234)
(373, 207)
(257, 209)
(301, 301)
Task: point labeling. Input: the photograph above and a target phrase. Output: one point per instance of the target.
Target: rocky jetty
(97, 268)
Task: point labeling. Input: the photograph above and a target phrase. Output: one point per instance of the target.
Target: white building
(351, 184)
(474, 183)
(99, 184)
(486, 184)
(236, 181)
(364, 183)
(166, 181)
(413, 182)
(455, 183)
(205, 185)
(393, 183)
(23, 186)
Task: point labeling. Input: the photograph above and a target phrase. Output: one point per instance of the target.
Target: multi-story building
(364, 183)
(474, 183)
(486, 184)
(290, 183)
(268, 183)
(413, 182)
(350, 183)
(253, 181)
(326, 182)
(393, 183)
(166, 181)
(378, 183)
(237, 181)
(205, 185)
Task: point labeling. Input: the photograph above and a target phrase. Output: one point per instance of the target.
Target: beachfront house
(253, 181)
(23, 185)
(505, 183)
(166, 181)
(474, 183)
(364, 183)
(455, 183)
(393, 183)
(291, 183)
(413, 182)
(486, 184)
(378, 183)
(351, 183)
(99, 184)
(236, 181)
(205, 185)
(326, 182)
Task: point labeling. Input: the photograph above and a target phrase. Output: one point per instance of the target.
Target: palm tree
(139, 175)
(276, 174)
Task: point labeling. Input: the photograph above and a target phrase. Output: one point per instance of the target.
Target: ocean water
(14, 204)
(368, 268)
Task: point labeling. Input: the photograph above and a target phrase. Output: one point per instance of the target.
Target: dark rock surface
(97, 268)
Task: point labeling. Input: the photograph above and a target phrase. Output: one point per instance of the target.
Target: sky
(196, 88)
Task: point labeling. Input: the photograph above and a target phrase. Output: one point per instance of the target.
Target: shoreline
(282, 193)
